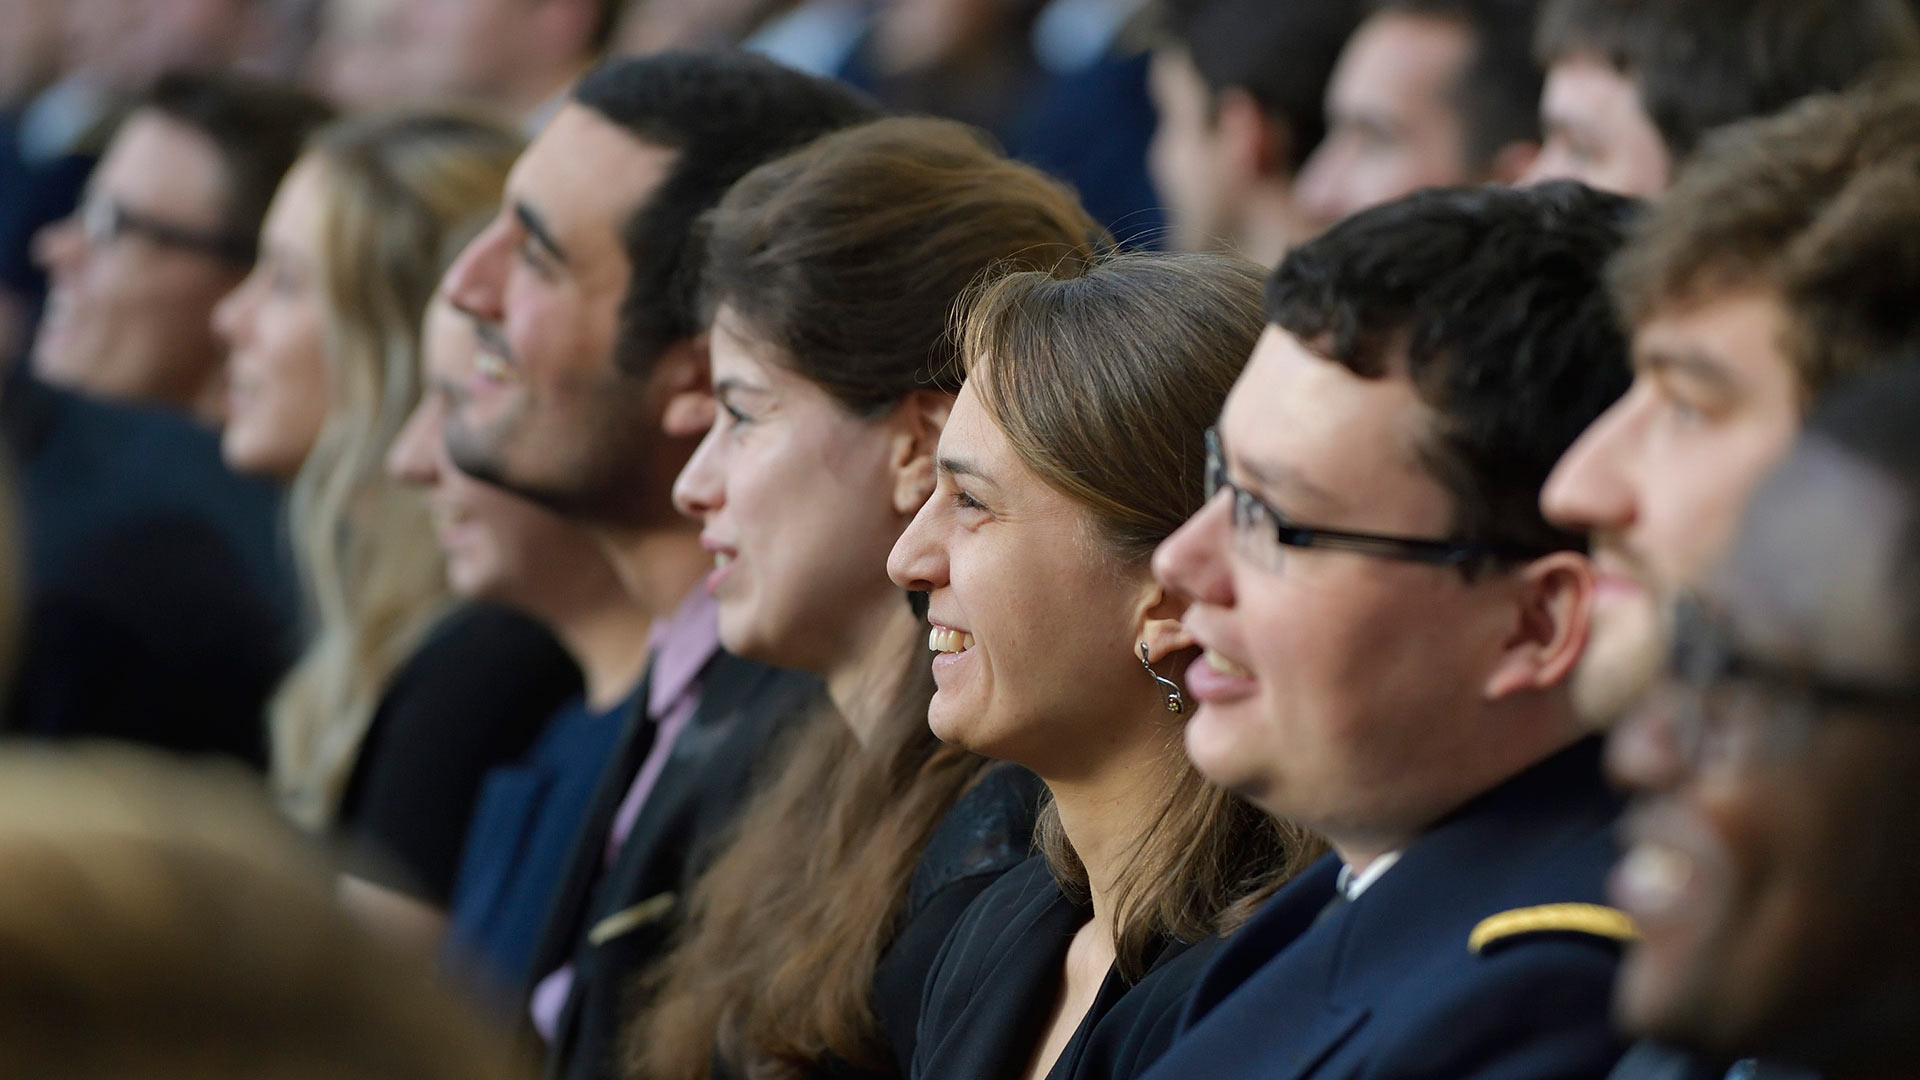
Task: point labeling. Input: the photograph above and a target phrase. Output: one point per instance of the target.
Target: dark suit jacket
(159, 599)
(1388, 986)
(612, 925)
(998, 976)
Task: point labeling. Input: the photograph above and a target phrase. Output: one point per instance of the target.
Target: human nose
(918, 561)
(476, 282)
(232, 316)
(414, 457)
(700, 489)
(59, 247)
(1193, 561)
(1591, 487)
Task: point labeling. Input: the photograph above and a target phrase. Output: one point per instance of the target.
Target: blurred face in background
(911, 36)
(279, 384)
(1391, 125)
(799, 500)
(364, 58)
(1774, 774)
(31, 51)
(1597, 131)
(461, 46)
(1187, 158)
(126, 44)
(136, 272)
(499, 547)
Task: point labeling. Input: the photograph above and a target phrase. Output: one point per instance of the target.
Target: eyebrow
(953, 466)
(536, 226)
(1690, 363)
(1272, 477)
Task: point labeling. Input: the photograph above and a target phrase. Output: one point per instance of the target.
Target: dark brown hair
(1104, 378)
(1705, 63)
(1821, 204)
(846, 259)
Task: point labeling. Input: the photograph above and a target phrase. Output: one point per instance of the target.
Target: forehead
(1582, 86)
(1400, 62)
(163, 163)
(1743, 332)
(585, 176)
(1355, 440)
(1812, 572)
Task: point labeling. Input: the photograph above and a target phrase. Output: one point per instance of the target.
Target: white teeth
(1654, 879)
(942, 640)
(492, 366)
(1225, 666)
(721, 559)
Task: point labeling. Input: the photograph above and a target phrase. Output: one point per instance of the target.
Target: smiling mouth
(942, 640)
(1225, 666)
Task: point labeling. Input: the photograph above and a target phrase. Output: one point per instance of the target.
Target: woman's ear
(1159, 624)
(918, 421)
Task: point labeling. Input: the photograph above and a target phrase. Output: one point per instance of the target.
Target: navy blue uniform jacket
(1387, 986)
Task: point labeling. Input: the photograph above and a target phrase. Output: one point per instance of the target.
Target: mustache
(493, 340)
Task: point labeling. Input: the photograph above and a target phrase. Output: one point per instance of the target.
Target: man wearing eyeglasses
(166, 228)
(1775, 768)
(1389, 628)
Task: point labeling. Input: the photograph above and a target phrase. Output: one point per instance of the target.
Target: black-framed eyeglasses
(104, 221)
(1724, 703)
(1262, 530)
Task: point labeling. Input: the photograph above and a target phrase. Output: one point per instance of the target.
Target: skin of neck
(1513, 736)
(1272, 226)
(866, 674)
(608, 639)
(1106, 807)
(657, 566)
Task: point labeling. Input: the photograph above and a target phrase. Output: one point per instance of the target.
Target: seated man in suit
(1775, 769)
(589, 395)
(1390, 627)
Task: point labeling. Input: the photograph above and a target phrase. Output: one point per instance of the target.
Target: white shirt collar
(1351, 885)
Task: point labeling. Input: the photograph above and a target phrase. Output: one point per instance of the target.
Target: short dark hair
(724, 113)
(1705, 63)
(258, 127)
(1492, 302)
(1282, 52)
(1498, 95)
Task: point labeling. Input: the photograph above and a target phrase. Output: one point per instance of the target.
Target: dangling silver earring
(1176, 701)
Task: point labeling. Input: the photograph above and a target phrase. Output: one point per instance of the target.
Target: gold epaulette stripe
(1591, 919)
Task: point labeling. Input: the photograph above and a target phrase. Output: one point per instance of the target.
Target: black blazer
(1485, 952)
(998, 976)
(613, 925)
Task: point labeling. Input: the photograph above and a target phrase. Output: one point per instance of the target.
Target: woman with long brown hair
(1074, 448)
(830, 278)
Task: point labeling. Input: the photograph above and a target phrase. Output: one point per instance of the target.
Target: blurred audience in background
(504, 549)
(160, 921)
(1239, 85)
(1634, 85)
(1427, 92)
(383, 730)
(168, 225)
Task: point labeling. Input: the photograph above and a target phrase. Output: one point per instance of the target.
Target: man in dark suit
(591, 394)
(1390, 627)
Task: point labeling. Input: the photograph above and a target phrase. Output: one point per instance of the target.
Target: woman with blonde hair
(1076, 446)
(382, 731)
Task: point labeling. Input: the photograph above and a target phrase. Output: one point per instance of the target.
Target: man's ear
(1254, 148)
(1552, 605)
(918, 421)
(683, 377)
(1512, 161)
